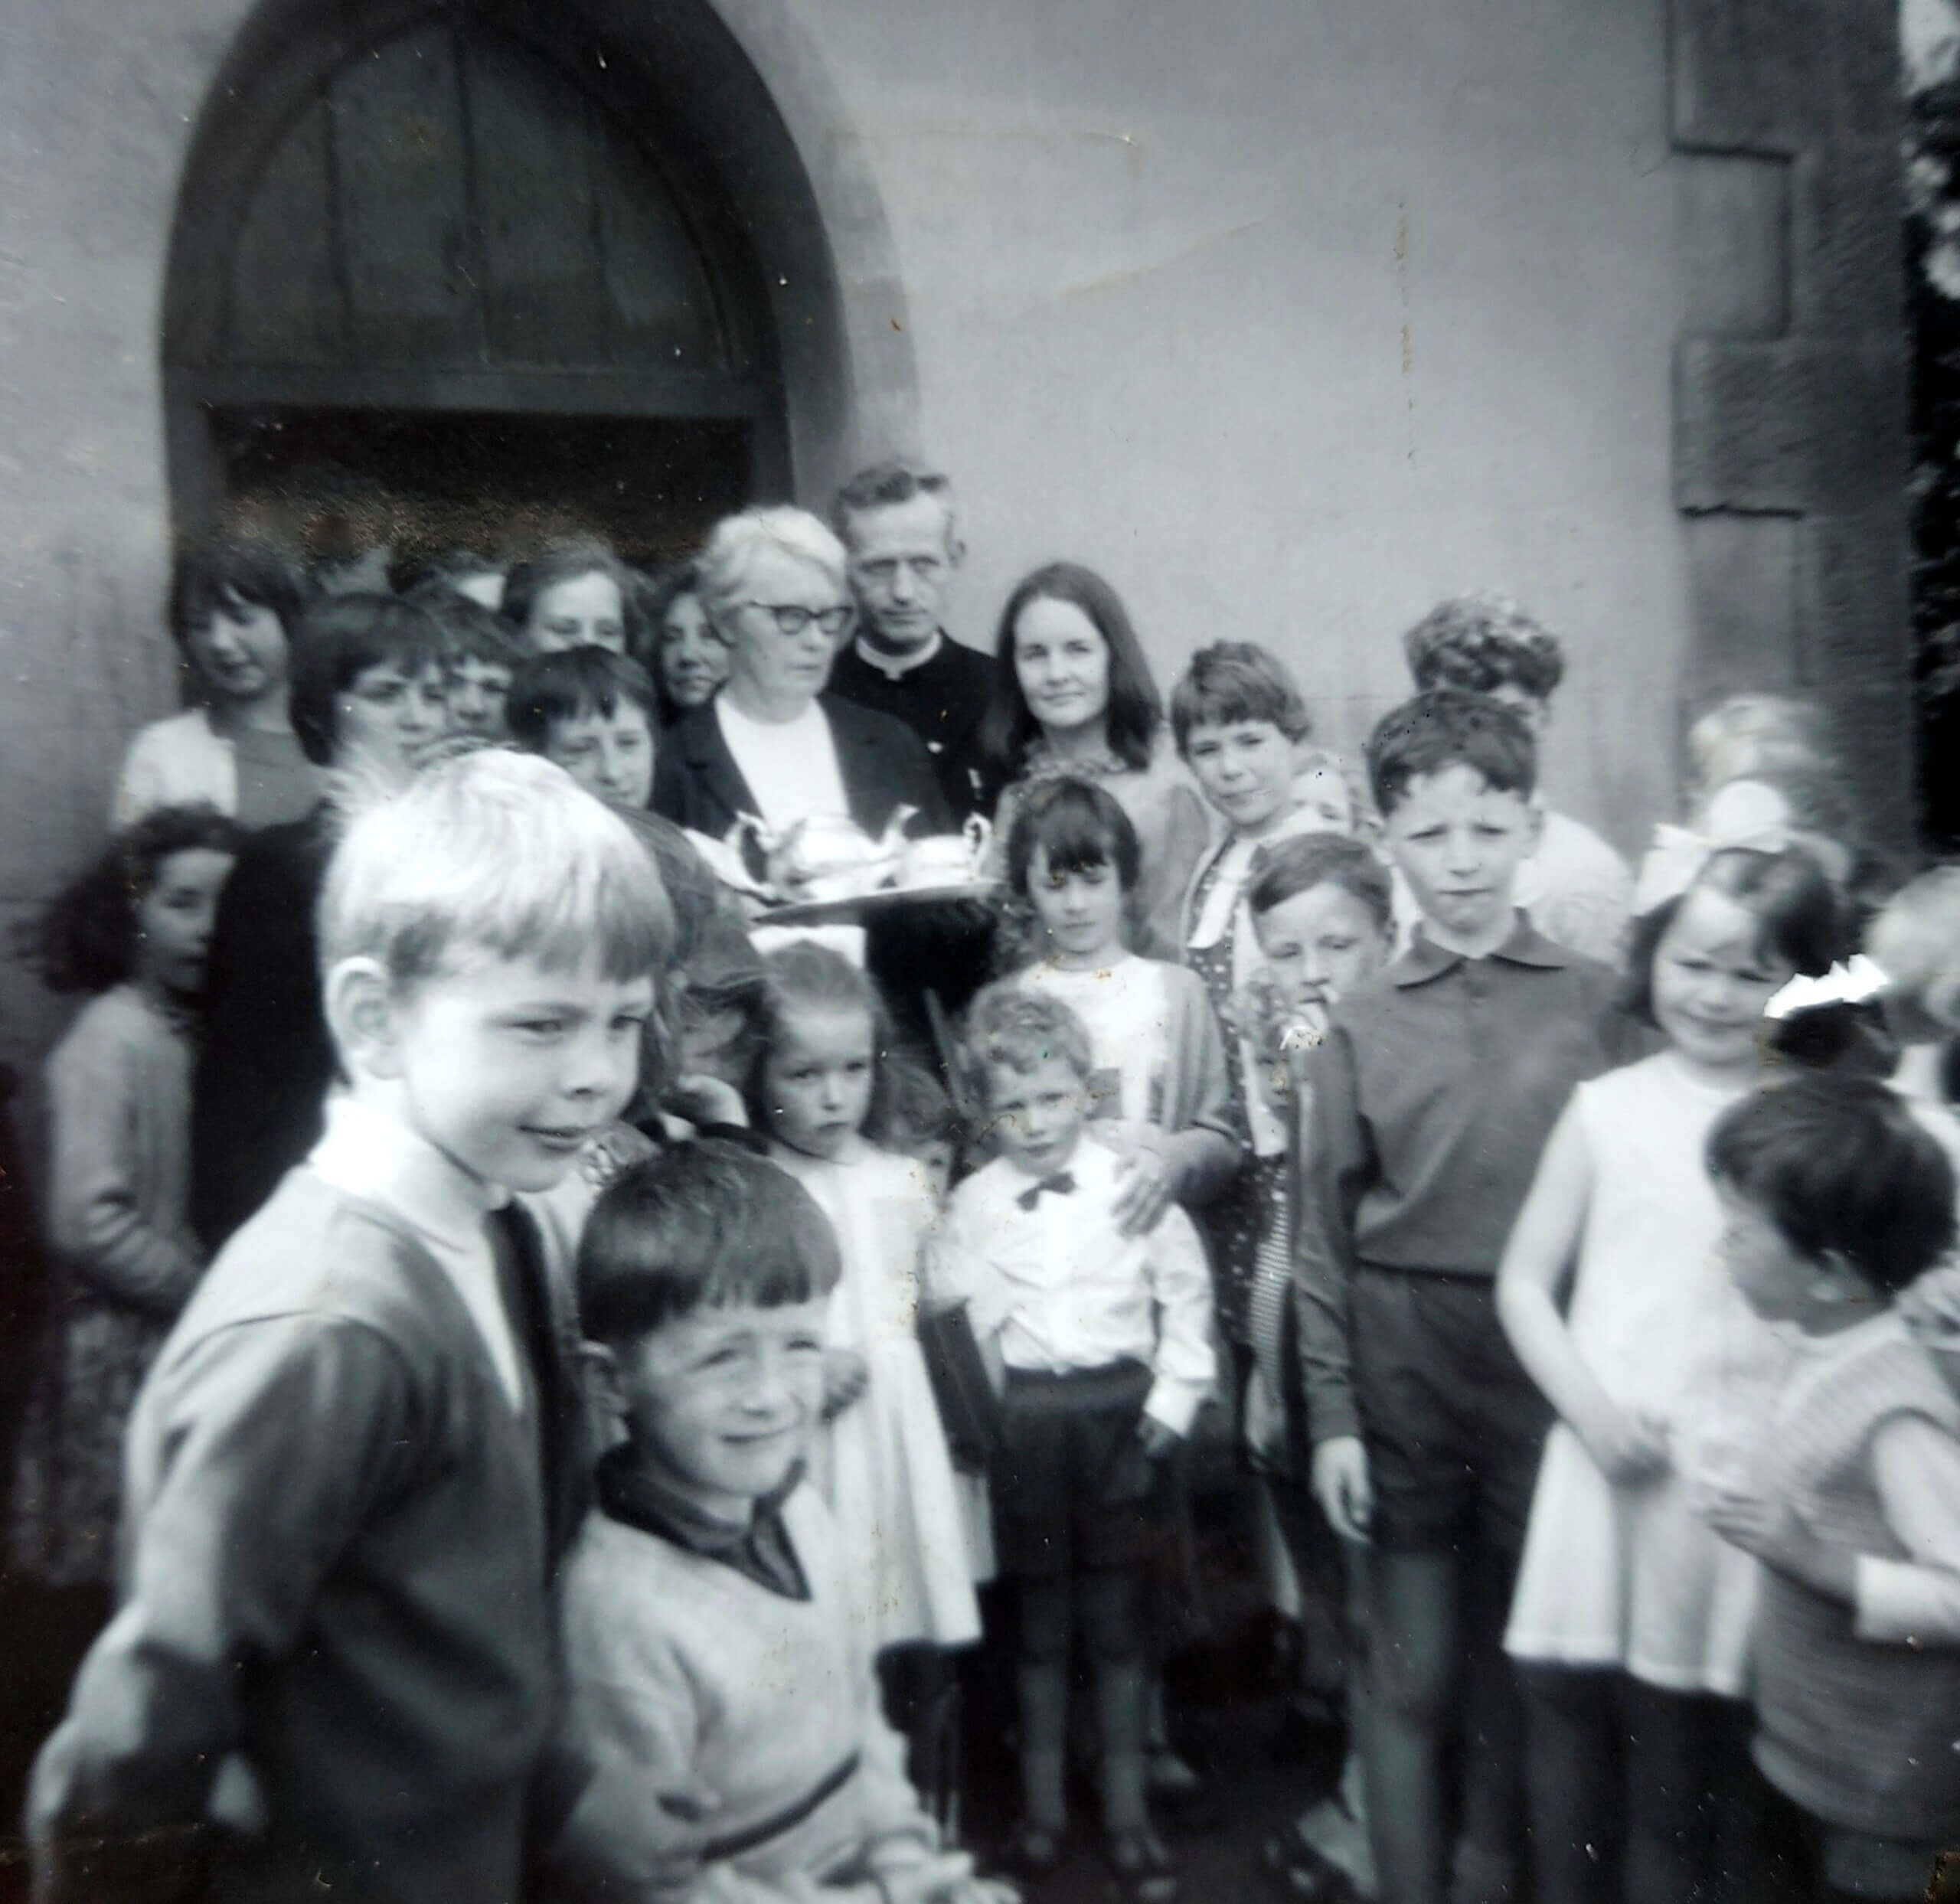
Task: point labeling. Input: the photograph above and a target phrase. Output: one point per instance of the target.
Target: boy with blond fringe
(356, 1459)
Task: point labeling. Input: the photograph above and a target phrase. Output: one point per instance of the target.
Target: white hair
(497, 851)
(736, 540)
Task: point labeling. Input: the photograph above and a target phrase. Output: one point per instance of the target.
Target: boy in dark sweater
(356, 1459)
(1435, 1091)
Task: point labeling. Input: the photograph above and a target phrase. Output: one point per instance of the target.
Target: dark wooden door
(467, 301)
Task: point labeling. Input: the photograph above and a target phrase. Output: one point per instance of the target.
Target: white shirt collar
(366, 1152)
(895, 668)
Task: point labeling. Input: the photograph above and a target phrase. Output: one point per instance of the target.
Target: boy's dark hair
(1843, 1168)
(1799, 917)
(1081, 825)
(1448, 727)
(1016, 1029)
(708, 1224)
(571, 684)
(338, 640)
(1232, 681)
(87, 939)
(921, 1111)
(427, 572)
(471, 632)
(225, 570)
(564, 562)
(888, 485)
(1482, 643)
(1288, 867)
(1136, 710)
(804, 973)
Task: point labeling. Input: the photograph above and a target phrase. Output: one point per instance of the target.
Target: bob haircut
(1010, 1028)
(707, 1225)
(736, 540)
(226, 571)
(1799, 917)
(1008, 729)
(338, 640)
(1484, 643)
(527, 582)
(471, 632)
(1081, 826)
(1232, 681)
(1448, 727)
(891, 484)
(1842, 1167)
(497, 852)
(1288, 867)
(805, 975)
(87, 939)
(570, 685)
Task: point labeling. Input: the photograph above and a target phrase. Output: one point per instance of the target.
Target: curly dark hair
(1484, 643)
(85, 940)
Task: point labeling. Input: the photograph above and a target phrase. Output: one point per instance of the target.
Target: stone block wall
(1790, 443)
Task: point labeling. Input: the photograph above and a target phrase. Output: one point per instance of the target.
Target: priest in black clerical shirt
(897, 523)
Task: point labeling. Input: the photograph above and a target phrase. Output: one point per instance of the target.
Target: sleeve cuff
(1332, 1416)
(1901, 1602)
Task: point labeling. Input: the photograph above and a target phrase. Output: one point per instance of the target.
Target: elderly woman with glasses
(773, 743)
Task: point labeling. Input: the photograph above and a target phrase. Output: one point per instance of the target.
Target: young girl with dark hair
(1631, 1622)
(234, 605)
(133, 931)
(1073, 695)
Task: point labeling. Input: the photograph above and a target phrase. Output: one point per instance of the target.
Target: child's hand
(603, 1155)
(1341, 1486)
(1629, 1446)
(1264, 1424)
(1781, 1539)
(847, 1375)
(703, 1099)
(1143, 1175)
(936, 1879)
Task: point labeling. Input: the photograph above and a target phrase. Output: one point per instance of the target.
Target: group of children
(546, 1492)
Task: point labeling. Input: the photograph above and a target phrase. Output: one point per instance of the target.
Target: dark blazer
(883, 762)
(267, 1061)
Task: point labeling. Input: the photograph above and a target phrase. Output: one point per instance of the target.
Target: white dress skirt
(1632, 1577)
(901, 1510)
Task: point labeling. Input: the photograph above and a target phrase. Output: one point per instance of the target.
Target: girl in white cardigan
(133, 929)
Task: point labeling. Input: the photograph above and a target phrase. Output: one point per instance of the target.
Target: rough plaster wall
(1295, 318)
(95, 103)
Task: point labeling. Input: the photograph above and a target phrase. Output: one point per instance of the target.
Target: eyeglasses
(791, 618)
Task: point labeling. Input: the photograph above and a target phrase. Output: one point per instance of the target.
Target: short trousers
(1454, 1427)
(1072, 1489)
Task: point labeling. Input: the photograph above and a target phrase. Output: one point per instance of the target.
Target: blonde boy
(358, 1455)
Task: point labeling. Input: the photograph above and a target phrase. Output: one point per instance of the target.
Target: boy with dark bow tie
(1105, 1341)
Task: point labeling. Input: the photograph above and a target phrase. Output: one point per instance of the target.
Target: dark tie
(523, 1278)
(1061, 1183)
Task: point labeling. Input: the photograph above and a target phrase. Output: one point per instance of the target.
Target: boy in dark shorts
(1105, 1339)
(1435, 1091)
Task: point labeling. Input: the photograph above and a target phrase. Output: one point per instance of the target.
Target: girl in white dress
(1631, 1621)
(818, 1089)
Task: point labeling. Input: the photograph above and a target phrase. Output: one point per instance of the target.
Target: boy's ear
(360, 1004)
(599, 1368)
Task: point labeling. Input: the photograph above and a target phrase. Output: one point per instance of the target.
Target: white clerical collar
(366, 1152)
(896, 667)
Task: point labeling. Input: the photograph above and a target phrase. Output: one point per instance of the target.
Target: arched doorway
(479, 273)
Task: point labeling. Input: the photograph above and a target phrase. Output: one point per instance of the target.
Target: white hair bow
(1843, 984)
(1744, 813)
